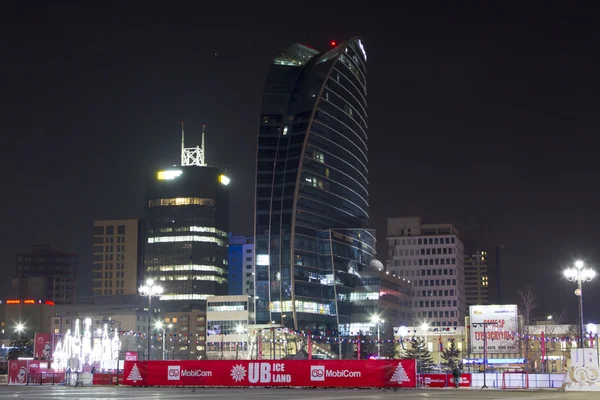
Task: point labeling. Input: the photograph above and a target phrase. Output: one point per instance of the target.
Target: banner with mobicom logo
(445, 380)
(343, 373)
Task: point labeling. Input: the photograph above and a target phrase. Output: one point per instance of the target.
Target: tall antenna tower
(192, 156)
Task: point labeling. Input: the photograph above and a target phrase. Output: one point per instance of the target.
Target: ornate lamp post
(580, 275)
(149, 290)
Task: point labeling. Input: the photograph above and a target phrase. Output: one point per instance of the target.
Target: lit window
(318, 156)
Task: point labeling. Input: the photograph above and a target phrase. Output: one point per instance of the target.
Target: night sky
(477, 114)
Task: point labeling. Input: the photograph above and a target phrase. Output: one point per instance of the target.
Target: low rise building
(227, 323)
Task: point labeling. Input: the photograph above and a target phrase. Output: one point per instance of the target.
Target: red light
(333, 43)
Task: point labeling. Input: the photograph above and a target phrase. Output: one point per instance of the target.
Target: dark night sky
(476, 113)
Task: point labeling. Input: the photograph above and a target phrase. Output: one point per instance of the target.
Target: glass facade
(312, 177)
(186, 234)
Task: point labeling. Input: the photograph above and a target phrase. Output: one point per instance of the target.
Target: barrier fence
(281, 373)
(39, 378)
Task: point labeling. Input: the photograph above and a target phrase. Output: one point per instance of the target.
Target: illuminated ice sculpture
(83, 352)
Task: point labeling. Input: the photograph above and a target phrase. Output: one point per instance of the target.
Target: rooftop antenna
(182, 145)
(192, 156)
(203, 153)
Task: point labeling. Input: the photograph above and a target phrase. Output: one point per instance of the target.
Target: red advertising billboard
(309, 373)
(42, 347)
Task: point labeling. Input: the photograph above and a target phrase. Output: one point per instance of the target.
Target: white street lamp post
(376, 320)
(240, 331)
(149, 290)
(161, 327)
(580, 275)
(485, 325)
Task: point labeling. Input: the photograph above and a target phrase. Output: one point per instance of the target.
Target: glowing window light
(212, 278)
(168, 174)
(193, 267)
(224, 179)
(185, 296)
(181, 201)
(187, 238)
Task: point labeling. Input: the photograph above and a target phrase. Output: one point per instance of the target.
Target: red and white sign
(330, 373)
(131, 356)
(444, 380)
(42, 347)
(17, 372)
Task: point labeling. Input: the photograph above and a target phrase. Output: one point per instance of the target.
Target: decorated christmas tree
(451, 356)
(400, 375)
(134, 375)
(418, 351)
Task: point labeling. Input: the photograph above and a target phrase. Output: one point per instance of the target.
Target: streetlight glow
(579, 274)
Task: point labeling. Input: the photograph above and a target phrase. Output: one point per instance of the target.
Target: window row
(424, 251)
(108, 230)
(436, 282)
(181, 201)
(435, 303)
(205, 229)
(429, 314)
(187, 238)
(425, 261)
(427, 272)
(421, 241)
(435, 293)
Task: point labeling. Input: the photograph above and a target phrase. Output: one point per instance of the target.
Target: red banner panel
(309, 373)
(17, 372)
(444, 380)
(107, 379)
(42, 347)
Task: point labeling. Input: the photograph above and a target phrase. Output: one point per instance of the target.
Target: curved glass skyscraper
(311, 210)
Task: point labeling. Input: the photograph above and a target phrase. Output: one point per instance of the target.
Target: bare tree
(528, 304)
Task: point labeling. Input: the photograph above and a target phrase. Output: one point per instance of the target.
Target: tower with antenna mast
(192, 156)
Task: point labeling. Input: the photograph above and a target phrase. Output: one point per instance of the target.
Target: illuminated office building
(187, 220)
(311, 210)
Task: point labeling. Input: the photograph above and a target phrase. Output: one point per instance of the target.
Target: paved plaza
(107, 392)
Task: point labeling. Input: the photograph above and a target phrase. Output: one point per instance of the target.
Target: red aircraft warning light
(333, 43)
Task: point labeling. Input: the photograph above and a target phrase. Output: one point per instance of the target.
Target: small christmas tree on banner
(451, 356)
(418, 351)
(400, 375)
(134, 375)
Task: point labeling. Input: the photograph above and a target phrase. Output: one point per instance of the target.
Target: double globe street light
(150, 289)
(580, 274)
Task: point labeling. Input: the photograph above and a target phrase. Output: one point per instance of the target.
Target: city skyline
(475, 112)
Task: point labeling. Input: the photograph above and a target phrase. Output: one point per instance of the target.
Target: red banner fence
(282, 373)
